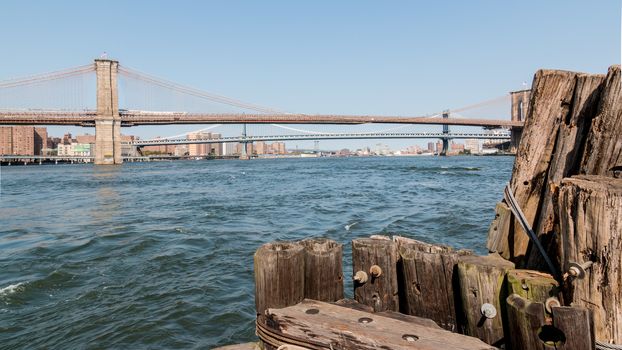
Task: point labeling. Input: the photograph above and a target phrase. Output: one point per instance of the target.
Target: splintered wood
(317, 325)
(591, 231)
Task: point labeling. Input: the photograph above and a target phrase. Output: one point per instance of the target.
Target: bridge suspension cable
(35, 79)
(190, 132)
(481, 104)
(195, 92)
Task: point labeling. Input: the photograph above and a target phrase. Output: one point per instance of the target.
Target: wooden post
(426, 280)
(603, 149)
(533, 285)
(374, 263)
(279, 275)
(482, 292)
(576, 326)
(590, 212)
(551, 96)
(524, 321)
(323, 269)
(569, 328)
(565, 161)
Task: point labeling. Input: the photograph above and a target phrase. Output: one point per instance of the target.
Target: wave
(12, 289)
(445, 168)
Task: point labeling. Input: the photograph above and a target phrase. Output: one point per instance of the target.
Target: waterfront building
(431, 147)
(472, 145)
(6, 140)
(23, 138)
(40, 140)
(229, 148)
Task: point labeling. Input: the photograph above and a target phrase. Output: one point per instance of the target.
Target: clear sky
(347, 57)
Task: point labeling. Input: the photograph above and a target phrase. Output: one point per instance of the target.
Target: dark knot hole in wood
(551, 336)
(312, 311)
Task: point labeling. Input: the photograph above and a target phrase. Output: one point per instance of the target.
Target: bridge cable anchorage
(35, 79)
(195, 92)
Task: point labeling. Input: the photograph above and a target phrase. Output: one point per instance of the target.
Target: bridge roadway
(420, 135)
(135, 118)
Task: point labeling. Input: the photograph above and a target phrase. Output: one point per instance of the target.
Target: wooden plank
(245, 346)
(590, 212)
(319, 325)
(482, 281)
(323, 269)
(532, 285)
(525, 319)
(279, 275)
(426, 279)
(566, 159)
(353, 304)
(551, 96)
(603, 149)
(575, 325)
(498, 241)
(379, 292)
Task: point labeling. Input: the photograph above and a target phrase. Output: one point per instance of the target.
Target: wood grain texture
(566, 159)
(323, 269)
(318, 325)
(576, 325)
(427, 282)
(381, 292)
(524, 322)
(552, 92)
(590, 211)
(279, 275)
(603, 149)
(482, 280)
(532, 285)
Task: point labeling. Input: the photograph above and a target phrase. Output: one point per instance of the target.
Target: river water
(160, 255)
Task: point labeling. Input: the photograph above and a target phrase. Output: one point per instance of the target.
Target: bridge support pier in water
(445, 140)
(108, 121)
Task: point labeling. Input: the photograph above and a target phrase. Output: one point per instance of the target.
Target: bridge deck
(134, 118)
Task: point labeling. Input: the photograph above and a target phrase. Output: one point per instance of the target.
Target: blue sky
(348, 57)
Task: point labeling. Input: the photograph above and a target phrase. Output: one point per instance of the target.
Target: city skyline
(254, 60)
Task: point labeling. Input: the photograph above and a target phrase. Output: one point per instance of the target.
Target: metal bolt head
(550, 303)
(488, 310)
(375, 271)
(360, 277)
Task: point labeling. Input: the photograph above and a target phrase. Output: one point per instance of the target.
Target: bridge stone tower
(108, 121)
(445, 139)
(520, 108)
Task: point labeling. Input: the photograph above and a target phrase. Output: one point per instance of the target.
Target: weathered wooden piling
(482, 292)
(374, 262)
(323, 269)
(566, 328)
(590, 211)
(279, 275)
(551, 96)
(428, 287)
(532, 285)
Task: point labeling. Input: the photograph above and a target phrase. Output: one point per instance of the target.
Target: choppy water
(160, 255)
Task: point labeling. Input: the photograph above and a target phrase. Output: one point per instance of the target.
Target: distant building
(472, 145)
(23, 140)
(204, 149)
(40, 140)
(431, 147)
(6, 140)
